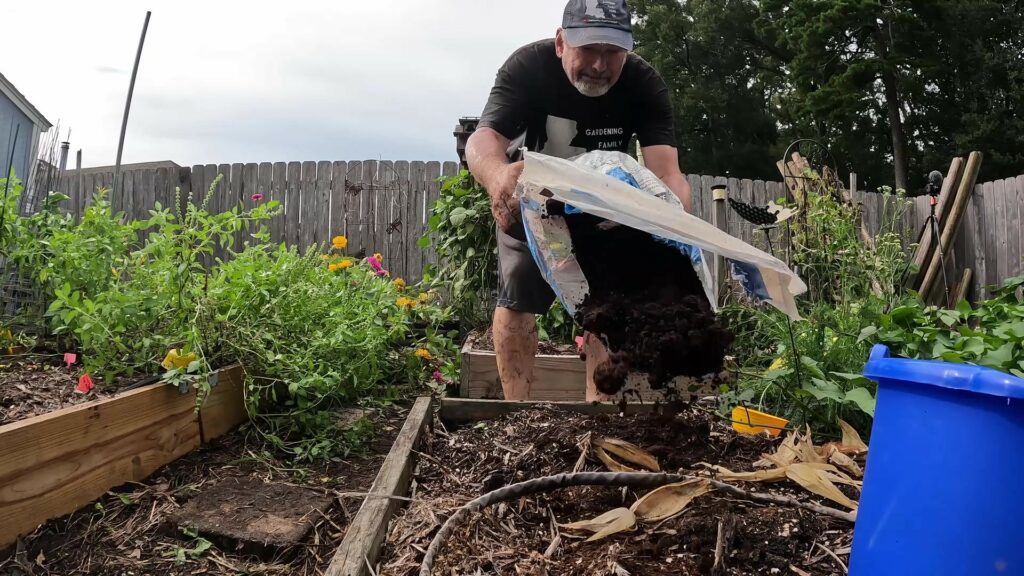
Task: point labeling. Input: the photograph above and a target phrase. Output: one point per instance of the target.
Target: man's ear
(559, 43)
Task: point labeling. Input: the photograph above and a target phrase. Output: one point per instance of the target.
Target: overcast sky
(256, 81)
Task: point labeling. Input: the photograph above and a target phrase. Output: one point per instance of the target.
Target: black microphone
(934, 182)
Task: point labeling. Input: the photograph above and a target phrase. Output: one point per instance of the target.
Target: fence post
(719, 193)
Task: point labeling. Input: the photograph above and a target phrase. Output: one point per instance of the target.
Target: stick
(778, 499)
(719, 549)
(834, 557)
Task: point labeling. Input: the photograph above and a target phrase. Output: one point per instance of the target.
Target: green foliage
(462, 233)
(747, 77)
(812, 374)
(988, 334)
(313, 341)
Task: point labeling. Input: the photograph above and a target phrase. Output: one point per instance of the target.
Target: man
(583, 90)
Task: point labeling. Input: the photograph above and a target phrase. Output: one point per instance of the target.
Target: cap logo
(604, 11)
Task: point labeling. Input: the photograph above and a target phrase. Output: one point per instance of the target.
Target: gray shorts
(521, 287)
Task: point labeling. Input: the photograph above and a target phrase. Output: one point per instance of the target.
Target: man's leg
(596, 354)
(515, 345)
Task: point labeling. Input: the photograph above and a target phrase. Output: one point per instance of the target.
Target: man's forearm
(679, 186)
(485, 155)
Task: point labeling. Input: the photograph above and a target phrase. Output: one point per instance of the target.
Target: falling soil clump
(647, 303)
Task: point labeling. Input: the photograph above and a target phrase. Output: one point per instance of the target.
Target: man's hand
(502, 188)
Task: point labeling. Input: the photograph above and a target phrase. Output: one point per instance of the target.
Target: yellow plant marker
(749, 421)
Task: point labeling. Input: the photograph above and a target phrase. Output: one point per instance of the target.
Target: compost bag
(631, 266)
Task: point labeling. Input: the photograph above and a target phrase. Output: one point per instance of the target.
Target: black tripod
(933, 188)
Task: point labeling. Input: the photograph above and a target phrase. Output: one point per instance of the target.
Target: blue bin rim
(967, 377)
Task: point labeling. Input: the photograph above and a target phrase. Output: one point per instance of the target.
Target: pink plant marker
(70, 358)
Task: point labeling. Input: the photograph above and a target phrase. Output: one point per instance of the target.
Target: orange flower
(399, 283)
(347, 263)
(403, 301)
(339, 242)
(424, 354)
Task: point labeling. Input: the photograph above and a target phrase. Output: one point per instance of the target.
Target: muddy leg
(515, 345)
(596, 354)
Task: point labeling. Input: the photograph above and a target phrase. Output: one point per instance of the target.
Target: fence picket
(397, 239)
(310, 206)
(292, 187)
(432, 171)
(336, 221)
(416, 224)
(353, 187)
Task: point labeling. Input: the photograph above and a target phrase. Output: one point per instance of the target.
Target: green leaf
(964, 308)
(812, 366)
(423, 242)
(862, 398)
(999, 357)
(824, 390)
(866, 333)
(974, 345)
(952, 357)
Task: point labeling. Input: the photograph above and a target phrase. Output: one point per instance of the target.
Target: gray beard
(592, 89)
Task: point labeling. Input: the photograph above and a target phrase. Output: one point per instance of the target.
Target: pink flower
(438, 377)
(375, 264)
(257, 197)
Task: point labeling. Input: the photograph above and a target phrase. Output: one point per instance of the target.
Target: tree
(722, 81)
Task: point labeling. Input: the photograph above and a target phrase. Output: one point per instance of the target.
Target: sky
(259, 81)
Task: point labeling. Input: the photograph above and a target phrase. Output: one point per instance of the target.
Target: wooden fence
(383, 206)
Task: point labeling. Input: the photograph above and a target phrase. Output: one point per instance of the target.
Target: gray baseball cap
(598, 22)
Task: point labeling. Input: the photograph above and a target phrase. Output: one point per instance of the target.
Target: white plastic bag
(598, 183)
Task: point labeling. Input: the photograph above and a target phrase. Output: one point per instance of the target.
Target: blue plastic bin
(943, 484)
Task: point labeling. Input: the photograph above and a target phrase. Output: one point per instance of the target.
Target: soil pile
(647, 303)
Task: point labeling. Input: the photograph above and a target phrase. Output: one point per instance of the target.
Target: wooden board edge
(457, 411)
(365, 535)
(223, 409)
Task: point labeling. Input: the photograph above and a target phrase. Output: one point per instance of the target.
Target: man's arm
(664, 162)
(485, 155)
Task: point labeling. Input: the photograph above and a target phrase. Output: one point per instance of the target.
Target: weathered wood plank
(1018, 188)
(368, 209)
(249, 187)
(197, 187)
(311, 206)
(978, 242)
(746, 191)
(1013, 224)
(279, 192)
(382, 217)
(366, 533)
(999, 229)
(398, 232)
(960, 199)
(353, 185)
(336, 223)
(223, 409)
(991, 254)
(433, 192)
(416, 224)
(52, 464)
(734, 224)
(293, 187)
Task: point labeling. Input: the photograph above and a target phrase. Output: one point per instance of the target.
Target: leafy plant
(556, 325)
(988, 334)
(810, 371)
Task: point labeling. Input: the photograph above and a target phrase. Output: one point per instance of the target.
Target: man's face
(592, 69)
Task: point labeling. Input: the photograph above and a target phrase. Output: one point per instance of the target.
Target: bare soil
(524, 538)
(31, 385)
(134, 529)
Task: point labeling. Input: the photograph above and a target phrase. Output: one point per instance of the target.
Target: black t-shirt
(533, 104)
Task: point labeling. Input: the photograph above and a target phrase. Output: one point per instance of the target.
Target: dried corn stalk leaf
(814, 480)
(611, 463)
(841, 479)
(669, 499)
(806, 451)
(784, 455)
(606, 524)
(846, 463)
(627, 452)
(726, 475)
(851, 440)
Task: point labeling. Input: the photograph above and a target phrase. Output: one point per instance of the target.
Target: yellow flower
(332, 267)
(424, 354)
(339, 242)
(403, 301)
(325, 257)
(778, 364)
(424, 296)
(379, 257)
(113, 272)
(399, 283)
(174, 360)
(344, 264)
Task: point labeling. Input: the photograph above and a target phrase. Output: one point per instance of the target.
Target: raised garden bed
(54, 463)
(479, 445)
(226, 508)
(559, 376)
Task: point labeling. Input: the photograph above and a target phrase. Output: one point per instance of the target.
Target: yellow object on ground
(175, 360)
(749, 421)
